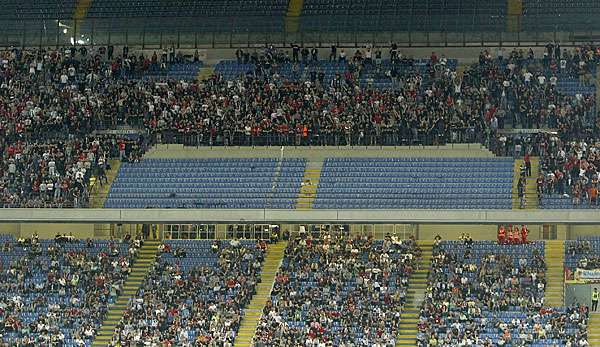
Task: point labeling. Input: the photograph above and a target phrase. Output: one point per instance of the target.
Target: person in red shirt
(509, 235)
(593, 194)
(527, 161)
(501, 235)
(121, 150)
(524, 233)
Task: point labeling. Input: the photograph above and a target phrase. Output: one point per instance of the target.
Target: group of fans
(338, 291)
(511, 235)
(191, 298)
(56, 293)
(491, 295)
(570, 168)
(55, 100)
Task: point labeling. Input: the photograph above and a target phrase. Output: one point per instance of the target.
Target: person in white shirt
(541, 80)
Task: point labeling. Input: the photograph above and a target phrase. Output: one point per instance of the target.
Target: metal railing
(233, 32)
(386, 137)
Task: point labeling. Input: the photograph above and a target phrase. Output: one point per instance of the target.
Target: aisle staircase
(205, 72)
(407, 336)
(253, 312)
(98, 192)
(292, 17)
(81, 9)
(310, 183)
(531, 198)
(554, 253)
(139, 270)
(594, 329)
(460, 69)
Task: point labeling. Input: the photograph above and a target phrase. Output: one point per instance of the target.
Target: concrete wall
(211, 56)
(49, 230)
(584, 230)
(11, 229)
(477, 232)
(426, 231)
(314, 153)
(294, 216)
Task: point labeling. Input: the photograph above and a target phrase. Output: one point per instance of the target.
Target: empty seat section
(417, 183)
(207, 183)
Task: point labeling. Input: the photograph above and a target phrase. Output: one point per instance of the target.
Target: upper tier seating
(194, 295)
(207, 183)
(415, 183)
(58, 293)
(36, 9)
(187, 8)
(557, 15)
(317, 15)
(431, 15)
(231, 70)
(177, 71)
(483, 294)
(338, 292)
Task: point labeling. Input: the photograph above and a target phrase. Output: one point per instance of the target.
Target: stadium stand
(339, 291)
(175, 71)
(315, 15)
(527, 118)
(344, 183)
(432, 183)
(186, 8)
(56, 292)
(569, 174)
(219, 183)
(414, 102)
(37, 10)
(557, 15)
(583, 253)
(373, 73)
(195, 294)
(482, 293)
(431, 15)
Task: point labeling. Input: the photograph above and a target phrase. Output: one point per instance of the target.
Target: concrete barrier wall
(317, 153)
(582, 217)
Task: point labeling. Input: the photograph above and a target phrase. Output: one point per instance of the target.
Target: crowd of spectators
(56, 293)
(53, 173)
(568, 165)
(187, 302)
(479, 296)
(338, 291)
(585, 255)
(570, 168)
(54, 100)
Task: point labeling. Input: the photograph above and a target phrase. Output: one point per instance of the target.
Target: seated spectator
(487, 297)
(339, 291)
(55, 294)
(195, 299)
